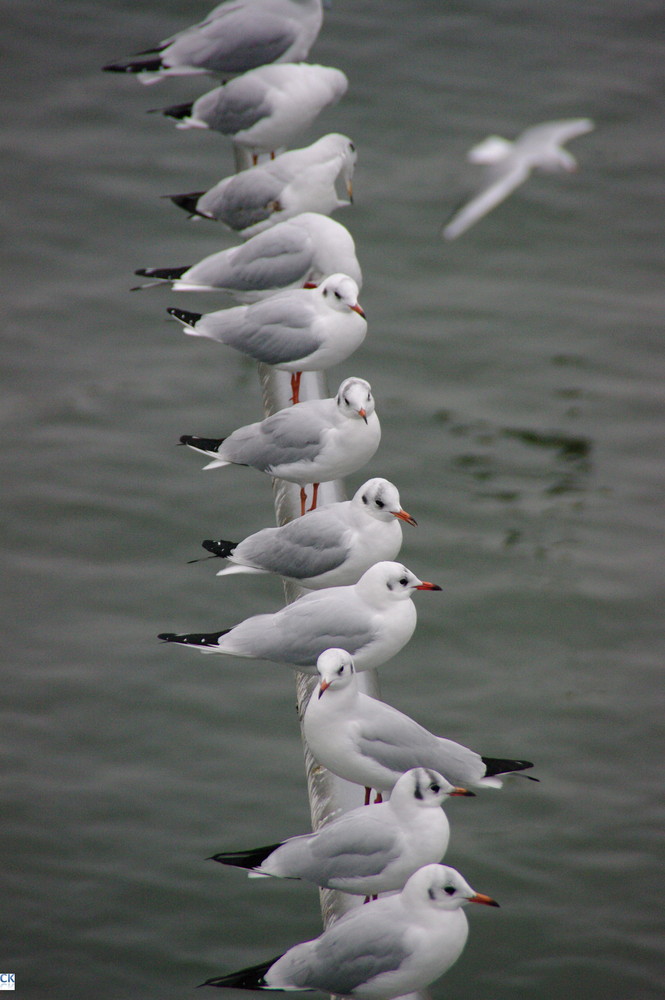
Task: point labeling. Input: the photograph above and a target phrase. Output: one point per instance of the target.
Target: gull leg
(295, 387)
(303, 500)
(315, 493)
(368, 795)
(379, 798)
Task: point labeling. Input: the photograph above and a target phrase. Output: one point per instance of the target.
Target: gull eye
(337, 295)
(449, 890)
(352, 147)
(340, 670)
(345, 400)
(435, 788)
(380, 504)
(403, 581)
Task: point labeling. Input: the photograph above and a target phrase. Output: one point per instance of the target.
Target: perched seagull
(300, 180)
(397, 945)
(368, 850)
(361, 739)
(311, 442)
(236, 36)
(331, 546)
(266, 108)
(297, 330)
(375, 618)
(300, 251)
(509, 164)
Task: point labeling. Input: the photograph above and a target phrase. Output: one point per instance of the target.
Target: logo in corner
(7, 981)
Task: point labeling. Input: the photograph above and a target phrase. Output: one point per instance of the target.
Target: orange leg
(303, 500)
(315, 493)
(295, 387)
(379, 798)
(368, 795)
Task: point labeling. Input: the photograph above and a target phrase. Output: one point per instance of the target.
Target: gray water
(519, 379)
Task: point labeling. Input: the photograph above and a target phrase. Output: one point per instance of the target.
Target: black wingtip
(252, 978)
(221, 547)
(165, 273)
(144, 66)
(499, 765)
(190, 318)
(194, 638)
(202, 444)
(176, 111)
(245, 859)
(187, 202)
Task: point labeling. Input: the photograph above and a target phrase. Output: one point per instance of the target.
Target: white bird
(300, 251)
(509, 164)
(374, 617)
(363, 740)
(330, 546)
(395, 946)
(297, 330)
(266, 108)
(236, 36)
(300, 180)
(368, 850)
(311, 442)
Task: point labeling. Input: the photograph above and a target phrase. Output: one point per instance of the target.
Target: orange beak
(482, 898)
(427, 586)
(403, 516)
(323, 686)
(462, 791)
(358, 309)
(363, 414)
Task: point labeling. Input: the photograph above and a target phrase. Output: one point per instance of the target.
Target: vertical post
(328, 794)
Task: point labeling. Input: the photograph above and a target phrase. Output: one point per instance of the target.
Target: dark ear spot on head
(418, 793)
(431, 894)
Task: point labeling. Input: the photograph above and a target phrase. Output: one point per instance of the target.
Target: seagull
(300, 251)
(299, 180)
(266, 108)
(368, 850)
(236, 36)
(311, 442)
(363, 740)
(297, 330)
(397, 945)
(509, 164)
(330, 546)
(374, 617)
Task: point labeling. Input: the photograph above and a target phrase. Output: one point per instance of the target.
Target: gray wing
(279, 257)
(273, 332)
(354, 849)
(317, 622)
(347, 955)
(234, 42)
(288, 436)
(244, 199)
(233, 107)
(503, 180)
(556, 133)
(399, 743)
(303, 548)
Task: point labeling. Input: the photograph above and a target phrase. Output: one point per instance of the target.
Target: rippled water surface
(519, 379)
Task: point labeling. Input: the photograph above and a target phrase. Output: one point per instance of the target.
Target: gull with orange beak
(297, 330)
(367, 850)
(396, 946)
(373, 618)
(331, 546)
(363, 740)
(311, 442)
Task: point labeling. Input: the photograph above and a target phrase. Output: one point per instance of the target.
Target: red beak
(427, 586)
(358, 309)
(462, 791)
(403, 516)
(363, 414)
(482, 898)
(324, 685)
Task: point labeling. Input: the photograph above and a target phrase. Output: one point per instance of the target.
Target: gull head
(423, 788)
(380, 499)
(340, 292)
(438, 887)
(336, 669)
(386, 582)
(354, 399)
